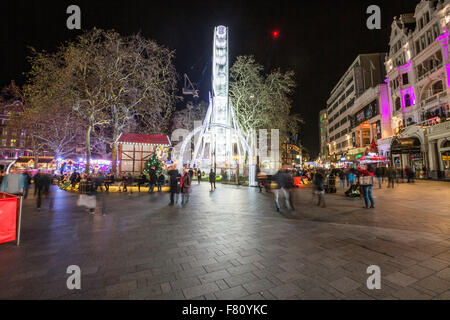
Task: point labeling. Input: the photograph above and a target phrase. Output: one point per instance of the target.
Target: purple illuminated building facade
(402, 112)
(418, 82)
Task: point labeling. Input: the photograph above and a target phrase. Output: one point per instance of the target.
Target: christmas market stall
(136, 149)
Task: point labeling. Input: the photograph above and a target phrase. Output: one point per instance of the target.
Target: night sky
(318, 39)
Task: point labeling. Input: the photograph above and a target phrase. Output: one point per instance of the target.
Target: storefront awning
(405, 146)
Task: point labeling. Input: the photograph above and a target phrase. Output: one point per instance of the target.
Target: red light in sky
(275, 34)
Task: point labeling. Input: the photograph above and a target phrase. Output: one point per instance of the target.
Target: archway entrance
(204, 128)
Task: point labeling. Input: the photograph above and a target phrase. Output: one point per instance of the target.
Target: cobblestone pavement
(232, 244)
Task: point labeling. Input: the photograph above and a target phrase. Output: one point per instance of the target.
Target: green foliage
(153, 162)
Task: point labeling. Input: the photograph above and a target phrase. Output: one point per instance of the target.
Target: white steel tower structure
(220, 136)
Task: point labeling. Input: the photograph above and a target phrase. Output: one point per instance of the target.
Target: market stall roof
(139, 138)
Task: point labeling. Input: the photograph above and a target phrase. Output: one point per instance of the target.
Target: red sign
(8, 218)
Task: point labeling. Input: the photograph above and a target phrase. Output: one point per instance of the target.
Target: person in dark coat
(319, 181)
(174, 178)
(212, 179)
(199, 176)
(153, 180)
(142, 180)
(161, 181)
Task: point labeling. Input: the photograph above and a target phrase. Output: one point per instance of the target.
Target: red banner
(8, 219)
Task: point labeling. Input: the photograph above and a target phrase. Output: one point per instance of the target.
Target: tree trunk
(36, 160)
(114, 158)
(88, 149)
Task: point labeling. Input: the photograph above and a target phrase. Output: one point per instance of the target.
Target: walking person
(174, 187)
(185, 186)
(319, 181)
(342, 179)
(161, 181)
(283, 183)
(108, 181)
(379, 175)
(199, 176)
(366, 181)
(87, 196)
(38, 186)
(26, 184)
(153, 179)
(124, 183)
(130, 183)
(142, 180)
(391, 177)
(212, 179)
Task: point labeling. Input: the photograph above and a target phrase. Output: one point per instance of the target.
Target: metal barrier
(10, 218)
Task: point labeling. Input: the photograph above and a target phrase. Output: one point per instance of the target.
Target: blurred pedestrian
(153, 180)
(185, 186)
(174, 185)
(366, 181)
(161, 181)
(141, 181)
(379, 175)
(212, 179)
(319, 181)
(391, 177)
(199, 176)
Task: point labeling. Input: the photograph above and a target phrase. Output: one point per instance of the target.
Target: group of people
(360, 181)
(19, 184)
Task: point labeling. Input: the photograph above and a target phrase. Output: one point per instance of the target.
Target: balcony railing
(434, 97)
(426, 74)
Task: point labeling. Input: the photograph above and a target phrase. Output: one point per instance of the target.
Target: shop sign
(445, 158)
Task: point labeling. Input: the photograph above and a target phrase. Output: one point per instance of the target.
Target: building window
(437, 87)
(13, 142)
(407, 100)
(405, 79)
(398, 104)
(4, 142)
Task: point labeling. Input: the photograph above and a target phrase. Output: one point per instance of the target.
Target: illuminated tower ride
(220, 143)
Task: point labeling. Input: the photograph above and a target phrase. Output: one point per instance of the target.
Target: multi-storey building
(15, 144)
(323, 134)
(369, 121)
(291, 154)
(418, 78)
(366, 71)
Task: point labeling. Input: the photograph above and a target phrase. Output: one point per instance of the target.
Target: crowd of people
(356, 183)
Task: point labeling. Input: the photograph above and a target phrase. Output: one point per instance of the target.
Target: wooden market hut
(136, 148)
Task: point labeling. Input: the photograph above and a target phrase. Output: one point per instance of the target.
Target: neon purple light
(412, 97)
(443, 39)
(384, 102)
(447, 68)
(405, 68)
(443, 36)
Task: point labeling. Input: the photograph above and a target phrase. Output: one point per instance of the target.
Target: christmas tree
(153, 162)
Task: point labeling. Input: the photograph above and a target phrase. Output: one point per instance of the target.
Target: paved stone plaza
(232, 244)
